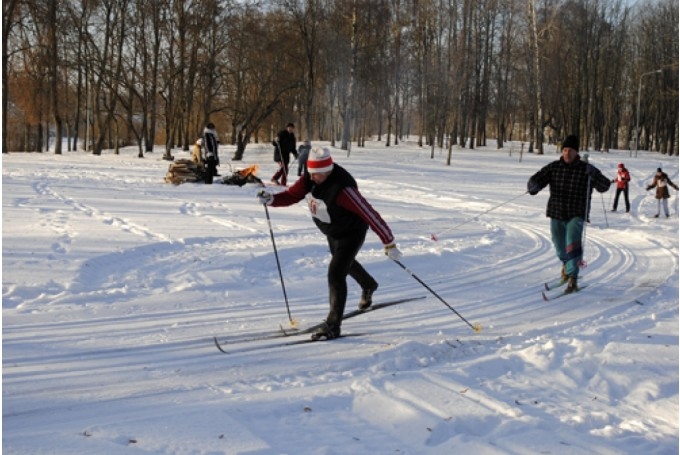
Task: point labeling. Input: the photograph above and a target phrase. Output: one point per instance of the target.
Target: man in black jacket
(571, 181)
(284, 145)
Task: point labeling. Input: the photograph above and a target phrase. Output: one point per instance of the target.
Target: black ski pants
(625, 198)
(343, 263)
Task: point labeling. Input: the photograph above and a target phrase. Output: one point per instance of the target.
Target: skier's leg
(616, 199)
(574, 247)
(343, 253)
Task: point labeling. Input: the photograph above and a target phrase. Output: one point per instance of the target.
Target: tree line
(98, 74)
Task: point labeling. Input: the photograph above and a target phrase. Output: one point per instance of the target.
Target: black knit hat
(571, 142)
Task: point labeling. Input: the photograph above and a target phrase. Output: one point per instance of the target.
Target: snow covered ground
(114, 283)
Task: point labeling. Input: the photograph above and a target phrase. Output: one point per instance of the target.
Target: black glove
(533, 188)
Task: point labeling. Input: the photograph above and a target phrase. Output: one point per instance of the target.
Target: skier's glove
(265, 197)
(533, 188)
(392, 252)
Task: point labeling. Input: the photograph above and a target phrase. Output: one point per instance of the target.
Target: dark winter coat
(284, 147)
(570, 187)
(341, 223)
(210, 145)
(336, 205)
(661, 182)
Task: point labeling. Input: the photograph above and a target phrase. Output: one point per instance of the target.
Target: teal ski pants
(566, 238)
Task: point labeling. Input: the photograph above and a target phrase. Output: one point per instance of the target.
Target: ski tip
(545, 297)
(545, 285)
(217, 344)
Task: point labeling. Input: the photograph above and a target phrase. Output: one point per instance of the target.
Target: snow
(114, 284)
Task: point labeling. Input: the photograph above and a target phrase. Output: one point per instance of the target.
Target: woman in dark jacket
(661, 182)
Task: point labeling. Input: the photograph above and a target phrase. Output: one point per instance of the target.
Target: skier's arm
(653, 184)
(350, 199)
(292, 195)
(600, 182)
(539, 180)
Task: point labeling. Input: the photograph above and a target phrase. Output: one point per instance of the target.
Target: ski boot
(367, 297)
(326, 332)
(571, 285)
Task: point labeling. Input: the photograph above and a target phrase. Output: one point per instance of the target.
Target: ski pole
(582, 263)
(476, 327)
(435, 237)
(293, 322)
(604, 209)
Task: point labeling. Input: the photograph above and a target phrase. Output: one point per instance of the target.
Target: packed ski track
(115, 283)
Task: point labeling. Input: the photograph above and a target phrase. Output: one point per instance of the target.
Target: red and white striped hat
(319, 160)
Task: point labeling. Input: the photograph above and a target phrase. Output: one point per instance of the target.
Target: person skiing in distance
(621, 180)
(661, 182)
(344, 216)
(210, 144)
(571, 180)
(303, 153)
(284, 145)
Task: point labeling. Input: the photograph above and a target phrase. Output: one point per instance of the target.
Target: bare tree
(9, 20)
(261, 79)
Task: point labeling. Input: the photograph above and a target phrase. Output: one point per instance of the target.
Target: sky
(114, 284)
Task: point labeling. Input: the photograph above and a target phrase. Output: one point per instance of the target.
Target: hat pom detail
(319, 160)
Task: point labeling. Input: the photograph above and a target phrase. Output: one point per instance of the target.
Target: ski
(282, 344)
(283, 332)
(548, 297)
(352, 314)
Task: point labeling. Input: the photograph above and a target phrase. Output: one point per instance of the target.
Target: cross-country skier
(571, 180)
(344, 216)
(661, 182)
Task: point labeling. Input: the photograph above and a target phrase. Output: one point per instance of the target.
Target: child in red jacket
(621, 180)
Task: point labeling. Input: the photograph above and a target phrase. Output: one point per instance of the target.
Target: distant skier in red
(621, 180)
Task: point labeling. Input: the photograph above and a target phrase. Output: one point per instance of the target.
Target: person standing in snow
(571, 180)
(196, 156)
(284, 145)
(344, 216)
(210, 144)
(621, 180)
(661, 182)
(303, 153)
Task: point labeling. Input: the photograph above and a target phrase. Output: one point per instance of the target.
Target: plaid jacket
(571, 186)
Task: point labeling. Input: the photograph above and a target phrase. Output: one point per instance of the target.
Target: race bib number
(318, 209)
